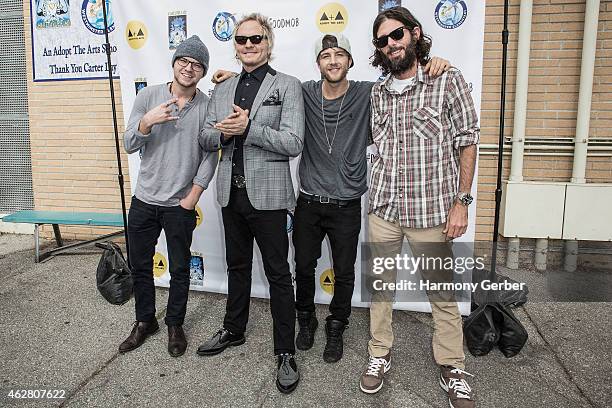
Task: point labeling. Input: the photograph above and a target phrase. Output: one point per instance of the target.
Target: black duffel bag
(494, 324)
(113, 277)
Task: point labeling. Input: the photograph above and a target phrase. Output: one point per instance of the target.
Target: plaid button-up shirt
(418, 133)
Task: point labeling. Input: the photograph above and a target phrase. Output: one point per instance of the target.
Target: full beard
(400, 65)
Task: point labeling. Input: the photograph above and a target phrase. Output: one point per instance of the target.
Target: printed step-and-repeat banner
(148, 32)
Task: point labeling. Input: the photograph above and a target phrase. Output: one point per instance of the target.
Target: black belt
(314, 198)
(238, 181)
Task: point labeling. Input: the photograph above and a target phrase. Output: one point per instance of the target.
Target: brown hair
(404, 16)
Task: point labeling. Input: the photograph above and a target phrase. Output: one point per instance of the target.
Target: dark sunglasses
(255, 39)
(397, 34)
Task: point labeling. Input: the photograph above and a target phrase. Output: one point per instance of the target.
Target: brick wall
(554, 77)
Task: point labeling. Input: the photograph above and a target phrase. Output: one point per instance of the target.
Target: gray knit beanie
(194, 48)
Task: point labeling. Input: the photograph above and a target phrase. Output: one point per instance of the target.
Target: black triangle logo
(339, 16)
(160, 264)
(130, 35)
(324, 17)
(140, 33)
(327, 280)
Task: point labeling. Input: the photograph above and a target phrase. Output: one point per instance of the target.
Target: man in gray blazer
(257, 120)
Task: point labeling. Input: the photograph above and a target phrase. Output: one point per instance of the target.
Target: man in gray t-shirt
(164, 126)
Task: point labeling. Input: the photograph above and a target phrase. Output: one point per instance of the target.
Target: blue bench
(57, 218)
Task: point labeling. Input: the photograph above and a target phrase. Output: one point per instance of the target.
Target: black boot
(308, 325)
(334, 347)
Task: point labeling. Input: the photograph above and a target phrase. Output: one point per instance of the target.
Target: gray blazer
(276, 133)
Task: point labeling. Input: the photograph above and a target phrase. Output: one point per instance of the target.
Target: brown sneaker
(372, 378)
(452, 380)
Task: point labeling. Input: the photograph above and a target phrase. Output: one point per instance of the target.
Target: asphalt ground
(58, 333)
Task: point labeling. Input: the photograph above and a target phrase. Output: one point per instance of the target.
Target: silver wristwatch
(464, 198)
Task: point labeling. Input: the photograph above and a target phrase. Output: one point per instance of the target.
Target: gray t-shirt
(171, 157)
(343, 173)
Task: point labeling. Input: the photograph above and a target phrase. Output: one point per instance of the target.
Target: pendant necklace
(331, 143)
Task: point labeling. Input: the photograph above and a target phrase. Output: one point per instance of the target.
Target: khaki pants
(447, 340)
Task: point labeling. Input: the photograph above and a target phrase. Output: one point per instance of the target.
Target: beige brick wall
(554, 77)
(74, 165)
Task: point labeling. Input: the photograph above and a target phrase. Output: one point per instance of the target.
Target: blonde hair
(265, 25)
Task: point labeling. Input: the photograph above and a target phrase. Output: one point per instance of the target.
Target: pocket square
(273, 99)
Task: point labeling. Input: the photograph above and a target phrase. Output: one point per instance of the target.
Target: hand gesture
(160, 114)
(234, 124)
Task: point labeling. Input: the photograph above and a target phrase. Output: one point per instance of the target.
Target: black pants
(145, 224)
(243, 223)
(341, 224)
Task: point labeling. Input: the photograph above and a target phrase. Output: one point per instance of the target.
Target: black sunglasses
(255, 39)
(397, 34)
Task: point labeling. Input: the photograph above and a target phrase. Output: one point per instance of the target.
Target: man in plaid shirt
(426, 131)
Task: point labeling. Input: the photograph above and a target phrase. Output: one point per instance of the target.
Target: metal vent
(10, 6)
(15, 159)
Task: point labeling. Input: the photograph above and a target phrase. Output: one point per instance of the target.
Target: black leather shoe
(219, 342)
(308, 323)
(177, 343)
(334, 347)
(287, 376)
(139, 334)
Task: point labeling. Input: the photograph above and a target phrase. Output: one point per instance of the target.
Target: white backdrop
(148, 31)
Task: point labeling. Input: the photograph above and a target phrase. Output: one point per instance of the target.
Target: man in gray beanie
(174, 171)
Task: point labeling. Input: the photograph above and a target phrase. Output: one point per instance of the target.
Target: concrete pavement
(57, 332)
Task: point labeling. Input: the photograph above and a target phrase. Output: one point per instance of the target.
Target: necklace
(192, 96)
(331, 143)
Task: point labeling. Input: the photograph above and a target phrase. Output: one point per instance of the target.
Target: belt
(326, 200)
(238, 181)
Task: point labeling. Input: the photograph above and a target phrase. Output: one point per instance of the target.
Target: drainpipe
(581, 142)
(520, 114)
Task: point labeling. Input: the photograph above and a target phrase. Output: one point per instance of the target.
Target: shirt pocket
(426, 124)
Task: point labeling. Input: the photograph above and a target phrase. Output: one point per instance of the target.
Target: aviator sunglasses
(255, 39)
(383, 40)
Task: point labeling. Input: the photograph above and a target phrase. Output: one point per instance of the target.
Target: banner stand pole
(112, 95)
(500, 151)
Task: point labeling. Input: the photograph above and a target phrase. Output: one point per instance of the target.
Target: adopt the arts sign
(68, 39)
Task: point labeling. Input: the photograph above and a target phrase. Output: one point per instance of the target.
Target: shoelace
(374, 365)
(461, 387)
(335, 338)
